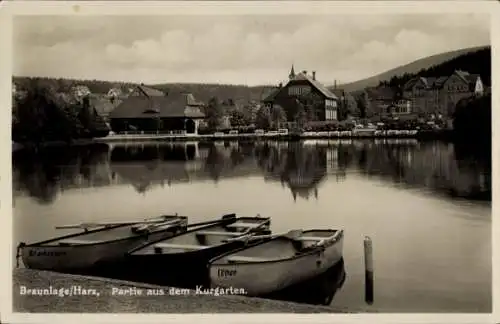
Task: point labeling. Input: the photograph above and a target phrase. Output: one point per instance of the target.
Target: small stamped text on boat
(46, 253)
(226, 272)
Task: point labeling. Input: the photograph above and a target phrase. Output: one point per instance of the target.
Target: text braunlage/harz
(68, 291)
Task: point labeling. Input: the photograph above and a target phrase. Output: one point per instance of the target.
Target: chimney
(304, 72)
(314, 75)
(335, 84)
(280, 85)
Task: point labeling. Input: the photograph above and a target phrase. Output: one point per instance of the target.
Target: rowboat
(319, 290)
(277, 262)
(96, 243)
(185, 256)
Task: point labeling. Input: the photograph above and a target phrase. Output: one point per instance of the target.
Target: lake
(426, 205)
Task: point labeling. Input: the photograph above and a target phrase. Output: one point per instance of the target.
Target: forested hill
(238, 93)
(65, 85)
(473, 60)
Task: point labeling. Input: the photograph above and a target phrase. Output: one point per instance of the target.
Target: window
(299, 90)
(330, 113)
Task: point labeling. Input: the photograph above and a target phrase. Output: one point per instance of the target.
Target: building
(377, 101)
(439, 95)
(150, 110)
(400, 107)
(346, 103)
(114, 92)
(80, 91)
(303, 90)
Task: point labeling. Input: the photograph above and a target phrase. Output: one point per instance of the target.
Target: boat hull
(187, 269)
(83, 258)
(183, 259)
(261, 278)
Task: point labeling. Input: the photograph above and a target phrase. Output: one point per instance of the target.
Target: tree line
(63, 85)
(41, 114)
(241, 115)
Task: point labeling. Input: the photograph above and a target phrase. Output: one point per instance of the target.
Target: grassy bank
(106, 302)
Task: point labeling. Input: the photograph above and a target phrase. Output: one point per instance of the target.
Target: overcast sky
(240, 50)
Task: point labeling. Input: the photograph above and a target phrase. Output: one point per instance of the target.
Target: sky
(252, 49)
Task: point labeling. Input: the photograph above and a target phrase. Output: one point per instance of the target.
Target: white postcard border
(9, 9)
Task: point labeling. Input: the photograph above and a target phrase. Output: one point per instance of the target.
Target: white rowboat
(277, 263)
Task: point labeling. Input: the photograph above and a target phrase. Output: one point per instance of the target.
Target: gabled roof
(114, 92)
(173, 105)
(191, 100)
(321, 88)
(428, 81)
(149, 92)
(409, 85)
(440, 81)
(271, 95)
(463, 75)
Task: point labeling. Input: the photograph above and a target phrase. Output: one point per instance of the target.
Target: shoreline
(280, 137)
(421, 136)
(106, 302)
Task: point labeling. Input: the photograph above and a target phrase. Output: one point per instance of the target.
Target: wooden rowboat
(319, 290)
(185, 256)
(97, 243)
(279, 262)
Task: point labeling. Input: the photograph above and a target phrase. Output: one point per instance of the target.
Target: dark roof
(440, 81)
(271, 95)
(321, 88)
(380, 93)
(173, 105)
(437, 82)
(429, 81)
(409, 85)
(339, 92)
(150, 92)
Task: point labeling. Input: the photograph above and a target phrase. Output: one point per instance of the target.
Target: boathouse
(150, 110)
(303, 90)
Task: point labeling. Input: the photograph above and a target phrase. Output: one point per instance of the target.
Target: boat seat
(180, 246)
(77, 241)
(219, 233)
(238, 258)
(243, 224)
(311, 238)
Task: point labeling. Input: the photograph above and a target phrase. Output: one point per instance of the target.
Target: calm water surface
(425, 205)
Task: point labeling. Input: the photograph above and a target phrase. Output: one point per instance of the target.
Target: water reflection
(46, 173)
(300, 167)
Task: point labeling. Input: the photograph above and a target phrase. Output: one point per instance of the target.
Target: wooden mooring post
(368, 270)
